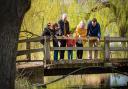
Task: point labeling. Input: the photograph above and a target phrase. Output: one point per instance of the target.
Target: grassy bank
(22, 83)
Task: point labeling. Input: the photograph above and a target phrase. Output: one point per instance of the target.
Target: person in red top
(70, 43)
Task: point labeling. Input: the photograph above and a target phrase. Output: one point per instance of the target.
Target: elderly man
(64, 27)
(93, 30)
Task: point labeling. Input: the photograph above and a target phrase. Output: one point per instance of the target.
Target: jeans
(70, 54)
(55, 55)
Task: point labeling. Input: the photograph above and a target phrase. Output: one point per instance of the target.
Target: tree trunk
(11, 15)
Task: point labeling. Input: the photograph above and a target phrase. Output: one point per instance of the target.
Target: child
(70, 43)
(79, 44)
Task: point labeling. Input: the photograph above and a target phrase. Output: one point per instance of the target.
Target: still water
(89, 81)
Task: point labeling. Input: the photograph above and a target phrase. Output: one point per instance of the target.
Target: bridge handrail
(106, 48)
(37, 39)
(118, 39)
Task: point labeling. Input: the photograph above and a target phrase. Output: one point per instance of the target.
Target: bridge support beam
(37, 76)
(106, 48)
(47, 50)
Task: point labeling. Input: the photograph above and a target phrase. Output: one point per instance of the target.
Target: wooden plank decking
(89, 66)
(71, 64)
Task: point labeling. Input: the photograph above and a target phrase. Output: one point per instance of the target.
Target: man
(94, 34)
(64, 27)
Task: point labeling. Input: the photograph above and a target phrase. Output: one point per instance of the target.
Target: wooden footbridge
(48, 67)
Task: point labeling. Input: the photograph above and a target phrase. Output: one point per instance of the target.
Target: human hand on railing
(64, 37)
(98, 39)
(88, 38)
(59, 44)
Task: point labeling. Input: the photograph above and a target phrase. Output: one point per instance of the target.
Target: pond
(89, 81)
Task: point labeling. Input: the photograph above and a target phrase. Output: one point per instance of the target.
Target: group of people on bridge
(71, 39)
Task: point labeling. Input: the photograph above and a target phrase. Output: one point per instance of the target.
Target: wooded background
(112, 16)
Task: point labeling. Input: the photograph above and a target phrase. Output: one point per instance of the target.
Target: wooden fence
(46, 48)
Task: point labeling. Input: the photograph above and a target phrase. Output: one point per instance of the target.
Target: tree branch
(30, 33)
(22, 7)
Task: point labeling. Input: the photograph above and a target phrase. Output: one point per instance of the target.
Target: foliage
(45, 11)
(112, 18)
(120, 10)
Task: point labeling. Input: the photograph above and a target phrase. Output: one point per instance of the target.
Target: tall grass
(22, 83)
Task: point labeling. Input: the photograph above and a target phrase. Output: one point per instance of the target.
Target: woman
(80, 35)
(55, 40)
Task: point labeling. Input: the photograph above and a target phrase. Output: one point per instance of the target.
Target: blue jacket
(93, 31)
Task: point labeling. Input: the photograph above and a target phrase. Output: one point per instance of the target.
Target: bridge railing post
(107, 48)
(28, 48)
(46, 49)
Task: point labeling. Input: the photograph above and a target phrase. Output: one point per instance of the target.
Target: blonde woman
(80, 35)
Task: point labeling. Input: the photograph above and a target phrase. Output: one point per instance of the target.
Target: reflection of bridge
(48, 67)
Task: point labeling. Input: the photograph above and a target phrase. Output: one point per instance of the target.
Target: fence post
(46, 50)
(106, 48)
(28, 48)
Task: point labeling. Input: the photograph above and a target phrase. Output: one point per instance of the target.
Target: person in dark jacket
(64, 27)
(93, 30)
(56, 32)
(46, 32)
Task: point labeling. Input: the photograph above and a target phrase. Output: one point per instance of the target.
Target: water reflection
(117, 79)
(88, 81)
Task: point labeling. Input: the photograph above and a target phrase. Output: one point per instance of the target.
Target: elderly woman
(80, 35)
(81, 31)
